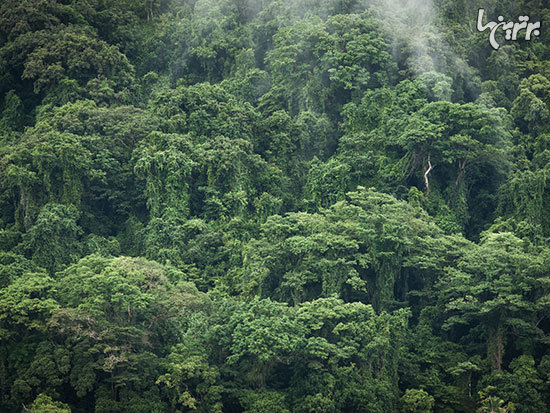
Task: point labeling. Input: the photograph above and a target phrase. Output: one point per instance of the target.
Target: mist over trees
(273, 206)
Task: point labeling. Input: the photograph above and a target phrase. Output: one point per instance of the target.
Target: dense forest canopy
(273, 206)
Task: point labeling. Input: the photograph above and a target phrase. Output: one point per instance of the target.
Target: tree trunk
(461, 169)
(426, 181)
(495, 347)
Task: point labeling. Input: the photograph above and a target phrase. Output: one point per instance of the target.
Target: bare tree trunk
(426, 181)
(461, 169)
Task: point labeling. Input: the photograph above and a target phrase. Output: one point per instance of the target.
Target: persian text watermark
(512, 29)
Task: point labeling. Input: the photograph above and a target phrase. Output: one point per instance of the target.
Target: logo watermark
(512, 29)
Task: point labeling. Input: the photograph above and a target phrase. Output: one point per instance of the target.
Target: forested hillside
(273, 206)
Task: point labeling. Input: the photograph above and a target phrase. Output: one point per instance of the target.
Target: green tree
(53, 241)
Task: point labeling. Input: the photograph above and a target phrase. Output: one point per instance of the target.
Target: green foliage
(45, 404)
(354, 249)
(185, 223)
(52, 242)
(417, 401)
(317, 64)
